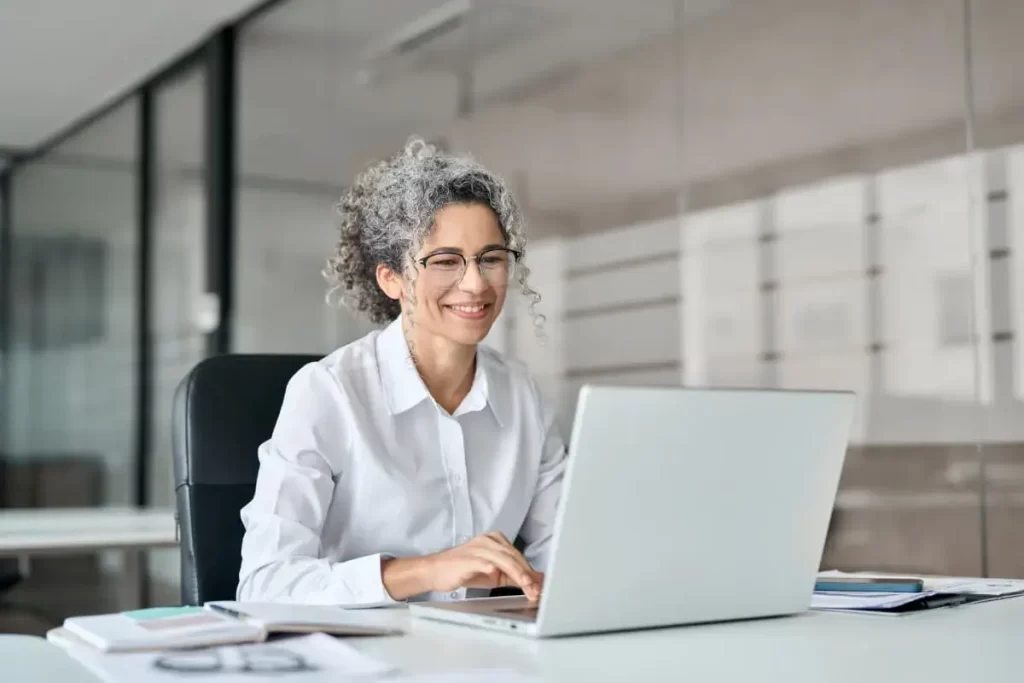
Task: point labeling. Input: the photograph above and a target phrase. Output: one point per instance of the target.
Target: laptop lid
(685, 505)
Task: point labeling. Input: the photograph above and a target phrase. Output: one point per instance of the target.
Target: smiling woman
(396, 206)
(403, 464)
(458, 301)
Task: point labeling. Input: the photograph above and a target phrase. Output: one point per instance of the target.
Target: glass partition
(997, 132)
(766, 193)
(70, 392)
(70, 396)
(178, 241)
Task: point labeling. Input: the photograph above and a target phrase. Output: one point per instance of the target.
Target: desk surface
(975, 642)
(62, 530)
(28, 659)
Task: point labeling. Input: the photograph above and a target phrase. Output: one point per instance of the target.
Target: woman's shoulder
(343, 369)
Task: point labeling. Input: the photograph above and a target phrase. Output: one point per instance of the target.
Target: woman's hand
(487, 561)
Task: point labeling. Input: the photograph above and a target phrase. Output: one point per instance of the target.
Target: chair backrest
(223, 410)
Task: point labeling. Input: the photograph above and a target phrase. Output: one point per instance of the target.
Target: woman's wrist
(404, 577)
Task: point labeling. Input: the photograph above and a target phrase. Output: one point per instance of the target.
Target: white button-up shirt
(364, 464)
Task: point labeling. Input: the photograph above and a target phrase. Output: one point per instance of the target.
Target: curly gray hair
(388, 212)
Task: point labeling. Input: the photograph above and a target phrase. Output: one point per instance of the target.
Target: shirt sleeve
(540, 518)
(282, 558)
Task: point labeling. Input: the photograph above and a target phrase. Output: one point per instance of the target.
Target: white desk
(971, 643)
(65, 531)
(28, 659)
(975, 642)
(48, 531)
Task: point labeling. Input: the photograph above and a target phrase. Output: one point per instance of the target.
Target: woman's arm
(282, 554)
(282, 558)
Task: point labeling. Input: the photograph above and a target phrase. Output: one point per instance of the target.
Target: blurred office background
(768, 193)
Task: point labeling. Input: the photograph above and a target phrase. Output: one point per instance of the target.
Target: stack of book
(221, 638)
(216, 623)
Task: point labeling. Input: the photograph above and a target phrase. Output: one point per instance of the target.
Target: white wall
(680, 300)
(284, 240)
(604, 320)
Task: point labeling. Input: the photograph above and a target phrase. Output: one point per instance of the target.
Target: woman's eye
(493, 260)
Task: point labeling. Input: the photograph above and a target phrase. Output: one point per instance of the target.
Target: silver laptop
(682, 506)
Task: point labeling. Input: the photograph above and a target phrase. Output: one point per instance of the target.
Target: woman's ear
(389, 282)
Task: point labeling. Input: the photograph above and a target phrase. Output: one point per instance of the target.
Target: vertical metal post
(144, 279)
(221, 131)
(6, 300)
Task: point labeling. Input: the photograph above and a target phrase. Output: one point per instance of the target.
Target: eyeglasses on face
(448, 267)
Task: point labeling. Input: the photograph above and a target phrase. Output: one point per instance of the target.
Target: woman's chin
(465, 329)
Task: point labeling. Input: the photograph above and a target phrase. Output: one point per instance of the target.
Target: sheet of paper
(469, 676)
(315, 658)
(992, 587)
(861, 601)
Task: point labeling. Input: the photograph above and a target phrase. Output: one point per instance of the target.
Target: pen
(944, 601)
(227, 611)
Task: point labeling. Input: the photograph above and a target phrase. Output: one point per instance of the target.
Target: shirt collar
(403, 386)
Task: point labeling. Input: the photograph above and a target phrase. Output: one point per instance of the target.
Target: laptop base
(509, 615)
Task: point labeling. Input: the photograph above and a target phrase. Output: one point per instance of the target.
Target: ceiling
(358, 106)
(309, 114)
(74, 56)
(591, 107)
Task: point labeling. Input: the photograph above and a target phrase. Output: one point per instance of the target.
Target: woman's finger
(506, 563)
(502, 542)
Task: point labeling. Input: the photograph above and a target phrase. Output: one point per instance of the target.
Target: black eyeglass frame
(516, 255)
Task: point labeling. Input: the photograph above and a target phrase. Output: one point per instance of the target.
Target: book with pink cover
(160, 628)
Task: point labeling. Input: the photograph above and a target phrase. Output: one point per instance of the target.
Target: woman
(402, 463)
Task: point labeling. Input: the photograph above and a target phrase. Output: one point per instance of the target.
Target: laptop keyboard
(528, 612)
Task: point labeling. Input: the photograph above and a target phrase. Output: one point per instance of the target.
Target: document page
(315, 658)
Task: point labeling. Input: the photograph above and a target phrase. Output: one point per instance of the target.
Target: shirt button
(457, 479)
(463, 539)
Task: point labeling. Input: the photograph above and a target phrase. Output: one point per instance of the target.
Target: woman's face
(463, 274)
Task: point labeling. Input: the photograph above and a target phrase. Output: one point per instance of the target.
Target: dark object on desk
(9, 581)
(223, 410)
(867, 584)
(932, 602)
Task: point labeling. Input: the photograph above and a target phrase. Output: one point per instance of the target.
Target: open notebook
(285, 618)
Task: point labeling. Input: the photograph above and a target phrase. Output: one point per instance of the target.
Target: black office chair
(223, 410)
